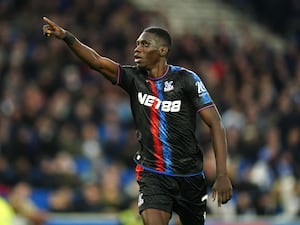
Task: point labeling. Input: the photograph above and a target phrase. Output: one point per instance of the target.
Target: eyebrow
(143, 41)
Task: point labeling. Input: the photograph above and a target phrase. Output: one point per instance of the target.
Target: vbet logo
(152, 101)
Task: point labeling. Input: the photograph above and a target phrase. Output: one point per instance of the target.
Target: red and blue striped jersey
(164, 110)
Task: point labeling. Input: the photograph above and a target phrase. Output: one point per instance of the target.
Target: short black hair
(161, 33)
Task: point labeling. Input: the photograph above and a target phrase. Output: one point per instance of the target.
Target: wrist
(221, 174)
(69, 38)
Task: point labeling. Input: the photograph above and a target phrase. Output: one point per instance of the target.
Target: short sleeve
(197, 91)
(125, 77)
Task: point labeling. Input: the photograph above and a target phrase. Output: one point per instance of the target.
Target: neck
(158, 71)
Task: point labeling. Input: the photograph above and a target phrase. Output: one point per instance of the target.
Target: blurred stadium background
(66, 134)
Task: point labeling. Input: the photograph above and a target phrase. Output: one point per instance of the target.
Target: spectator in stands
(19, 199)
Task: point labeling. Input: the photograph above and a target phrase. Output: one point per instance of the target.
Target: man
(164, 101)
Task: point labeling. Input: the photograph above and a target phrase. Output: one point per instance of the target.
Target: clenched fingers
(224, 197)
(46, 30)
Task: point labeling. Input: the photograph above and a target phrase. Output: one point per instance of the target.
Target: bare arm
(222, 187)
(105, 66)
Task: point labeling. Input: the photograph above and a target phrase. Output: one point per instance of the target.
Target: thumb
(214, 194)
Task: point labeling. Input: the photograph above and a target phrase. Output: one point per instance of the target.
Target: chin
(141, 66)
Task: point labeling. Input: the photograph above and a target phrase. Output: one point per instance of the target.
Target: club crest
(168, 86)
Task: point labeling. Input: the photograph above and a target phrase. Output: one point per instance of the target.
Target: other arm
(105, 66)
(222, 188)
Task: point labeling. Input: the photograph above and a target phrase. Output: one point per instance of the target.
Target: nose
(137, 48)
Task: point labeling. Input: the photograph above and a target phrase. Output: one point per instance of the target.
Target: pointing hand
(52, 29)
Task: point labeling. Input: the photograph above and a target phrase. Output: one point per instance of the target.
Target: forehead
(149, 37)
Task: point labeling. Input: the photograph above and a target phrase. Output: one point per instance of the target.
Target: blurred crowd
(66, 134)
(282, 17)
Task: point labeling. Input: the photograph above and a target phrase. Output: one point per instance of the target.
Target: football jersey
(164, 110)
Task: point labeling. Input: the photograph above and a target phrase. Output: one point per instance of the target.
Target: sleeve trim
(117, 82)
(205, 107)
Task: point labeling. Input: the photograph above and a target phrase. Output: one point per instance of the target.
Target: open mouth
(137, 58)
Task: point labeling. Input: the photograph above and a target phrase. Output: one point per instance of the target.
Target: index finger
(50, 22)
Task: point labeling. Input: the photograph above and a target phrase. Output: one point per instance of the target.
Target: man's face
(147, 51)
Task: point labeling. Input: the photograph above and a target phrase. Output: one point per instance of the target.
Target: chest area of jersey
(163, 95)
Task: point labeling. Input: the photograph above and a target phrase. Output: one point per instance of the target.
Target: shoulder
(130, 69)
(185, 73)
(128, 74)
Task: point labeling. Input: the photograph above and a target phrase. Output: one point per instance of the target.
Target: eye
(145, 44)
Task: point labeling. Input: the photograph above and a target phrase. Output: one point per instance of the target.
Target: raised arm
(104, 65)
(222, 188)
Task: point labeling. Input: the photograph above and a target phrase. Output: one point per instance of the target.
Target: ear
(163, 51)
